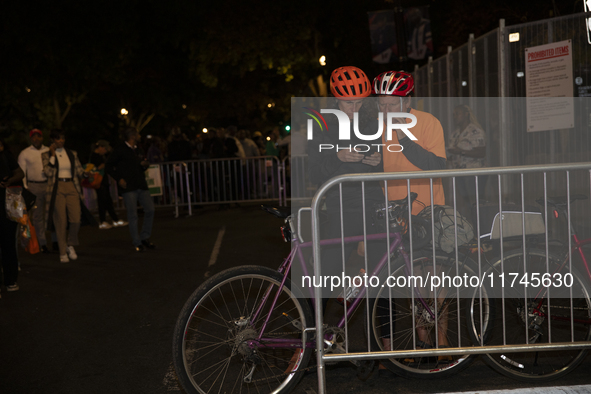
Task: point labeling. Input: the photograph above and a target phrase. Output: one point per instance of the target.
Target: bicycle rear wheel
(532, 317)
(412, 325)
(215, 347)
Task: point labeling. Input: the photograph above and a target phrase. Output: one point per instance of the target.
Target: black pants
(105, 203)
(8, 249)
(332, 255)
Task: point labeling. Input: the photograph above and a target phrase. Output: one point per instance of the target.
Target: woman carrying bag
(64, 194)
(10, 175)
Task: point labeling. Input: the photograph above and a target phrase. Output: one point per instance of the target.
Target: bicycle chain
(283, 374)
(299, 370)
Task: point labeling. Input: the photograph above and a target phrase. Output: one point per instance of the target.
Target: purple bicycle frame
(286, 266)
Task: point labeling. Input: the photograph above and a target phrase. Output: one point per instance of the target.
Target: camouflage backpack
(445, 227)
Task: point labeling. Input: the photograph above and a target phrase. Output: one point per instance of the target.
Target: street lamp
(124, 112)
(204, 130)
(322, 60)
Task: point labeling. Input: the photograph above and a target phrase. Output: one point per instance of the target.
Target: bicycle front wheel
(401, 320)
(216, 346)
(528, 313)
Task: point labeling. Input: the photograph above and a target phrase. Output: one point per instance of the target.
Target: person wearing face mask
(63, 194)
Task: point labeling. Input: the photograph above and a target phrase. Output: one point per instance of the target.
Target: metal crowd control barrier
(297, 182)
(217, 181)
(560, 179)
(214, 181)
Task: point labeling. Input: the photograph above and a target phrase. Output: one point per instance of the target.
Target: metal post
(430, 77)
(416, 77)
(189, 202)
(471, 66)
(448, 75)
(176, 198)
(504, 151)
(318, 296)
(448, 70)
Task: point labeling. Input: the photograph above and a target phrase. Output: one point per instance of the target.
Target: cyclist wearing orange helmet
(394, 90)
(350, 87)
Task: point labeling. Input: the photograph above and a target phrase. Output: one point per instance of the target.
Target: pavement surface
(104, 323)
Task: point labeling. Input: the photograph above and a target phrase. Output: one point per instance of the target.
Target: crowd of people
(216, 143)
(54, 173)
(54, 176)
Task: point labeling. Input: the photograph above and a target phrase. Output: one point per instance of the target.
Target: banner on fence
(549, 73)
(154, 180)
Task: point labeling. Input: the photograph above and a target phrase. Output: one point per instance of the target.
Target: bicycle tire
(423, 335)
(537, 366)
(210, 350)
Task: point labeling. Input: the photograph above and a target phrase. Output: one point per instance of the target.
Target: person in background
(30, 162)
(103, 193)
(63, 199)
(257, 137)
(179, 147)
(250, 147)
(272, 145)
(154, 153)
(10, 175)
(127, 165)
(467, 149)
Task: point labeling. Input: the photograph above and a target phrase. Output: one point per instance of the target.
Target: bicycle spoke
(216, 364)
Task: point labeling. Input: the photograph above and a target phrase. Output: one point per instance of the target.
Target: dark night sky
(224, 60)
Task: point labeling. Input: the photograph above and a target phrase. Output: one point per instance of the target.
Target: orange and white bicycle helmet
(393, 83)
(349, 83)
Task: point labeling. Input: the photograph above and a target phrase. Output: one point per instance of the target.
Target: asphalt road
(104, 323)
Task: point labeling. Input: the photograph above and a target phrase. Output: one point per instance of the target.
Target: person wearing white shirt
(30, 162)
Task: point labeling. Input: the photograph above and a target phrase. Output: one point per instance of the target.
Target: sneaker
(120, 223)
(64, 258)
(13, 287)
(44, 249)
(72, 253)
(104, 226)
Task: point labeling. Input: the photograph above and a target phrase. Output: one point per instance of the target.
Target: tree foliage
(75, 65)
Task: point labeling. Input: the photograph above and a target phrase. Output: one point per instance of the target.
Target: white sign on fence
(154, 180)
(549, 73)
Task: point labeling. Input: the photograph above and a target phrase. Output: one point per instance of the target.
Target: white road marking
(216, 250)
(539, 390)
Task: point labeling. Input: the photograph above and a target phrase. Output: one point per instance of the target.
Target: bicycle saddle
(561, 201)
(279, 212)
